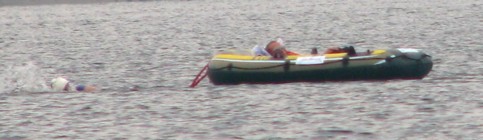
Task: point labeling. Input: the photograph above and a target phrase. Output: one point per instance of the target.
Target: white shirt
(259, 51)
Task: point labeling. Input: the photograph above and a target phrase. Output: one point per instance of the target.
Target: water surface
(160, 46)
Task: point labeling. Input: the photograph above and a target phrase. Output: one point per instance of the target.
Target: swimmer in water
(62, 84)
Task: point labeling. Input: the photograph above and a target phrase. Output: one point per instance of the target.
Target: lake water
(160, 46)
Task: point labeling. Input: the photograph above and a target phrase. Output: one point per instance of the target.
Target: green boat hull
(392, 65)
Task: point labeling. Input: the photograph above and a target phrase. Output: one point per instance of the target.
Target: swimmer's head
(59, 84)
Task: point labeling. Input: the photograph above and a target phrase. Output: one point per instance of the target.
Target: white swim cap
(59, 84)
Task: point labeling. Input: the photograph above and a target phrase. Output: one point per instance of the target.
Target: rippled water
(161, 46)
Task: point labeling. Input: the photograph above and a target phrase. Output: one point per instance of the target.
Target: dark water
(160, 47)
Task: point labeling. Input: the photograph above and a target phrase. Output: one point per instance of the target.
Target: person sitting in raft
(274, 49)
(60, 84)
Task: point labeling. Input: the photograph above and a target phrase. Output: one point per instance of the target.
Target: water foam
(26, 77)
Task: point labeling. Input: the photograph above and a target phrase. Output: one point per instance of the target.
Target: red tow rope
(203, 73)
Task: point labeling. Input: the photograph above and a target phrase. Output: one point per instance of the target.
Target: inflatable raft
(237, 68)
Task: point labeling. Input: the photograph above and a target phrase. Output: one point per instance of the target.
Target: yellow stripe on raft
(378, 52)
(290, 57)
(240, 57)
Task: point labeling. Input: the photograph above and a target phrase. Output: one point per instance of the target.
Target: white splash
(26, 77)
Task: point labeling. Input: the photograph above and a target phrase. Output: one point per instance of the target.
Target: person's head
(59, 84)
(271, 46)
(276, 49)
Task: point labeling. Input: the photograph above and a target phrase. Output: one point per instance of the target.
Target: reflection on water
(160, 46)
